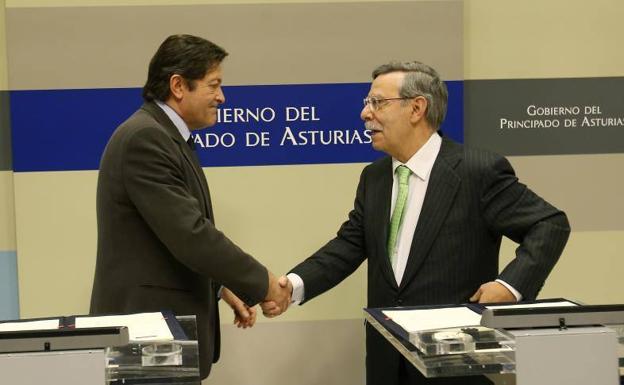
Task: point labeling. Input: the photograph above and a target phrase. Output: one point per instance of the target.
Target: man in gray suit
(429, 219)
(158, 247)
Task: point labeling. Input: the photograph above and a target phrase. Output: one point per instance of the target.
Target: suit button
(399, 302)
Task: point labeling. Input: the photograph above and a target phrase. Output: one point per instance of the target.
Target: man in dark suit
(158, 247)
(429, 219)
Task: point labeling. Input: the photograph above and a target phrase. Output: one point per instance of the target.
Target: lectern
(577, 345)
(99, 356)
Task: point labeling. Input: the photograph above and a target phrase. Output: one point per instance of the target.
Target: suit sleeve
(153, 174)
(541, 230)
(341, 256)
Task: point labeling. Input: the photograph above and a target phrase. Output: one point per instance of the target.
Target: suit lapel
(382, 197)
(189, 155)
(439, 198)
(193, 162)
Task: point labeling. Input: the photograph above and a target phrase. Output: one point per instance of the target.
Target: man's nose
(220, 96)
(366, 113)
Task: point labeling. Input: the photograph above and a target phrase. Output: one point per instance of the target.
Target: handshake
(276, 302)
(278, 296)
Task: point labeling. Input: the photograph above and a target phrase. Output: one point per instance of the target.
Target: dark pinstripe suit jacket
(158, 247)
(472, 200)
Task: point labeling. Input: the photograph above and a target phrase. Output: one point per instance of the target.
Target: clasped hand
(277, 300)
(278, 297)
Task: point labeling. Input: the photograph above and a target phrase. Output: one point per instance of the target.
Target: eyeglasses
(375, 103)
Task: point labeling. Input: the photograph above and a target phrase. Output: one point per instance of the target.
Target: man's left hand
(491, 292)
(244, 316)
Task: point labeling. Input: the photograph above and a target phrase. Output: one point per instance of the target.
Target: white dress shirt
(420, 165)
(176, 119)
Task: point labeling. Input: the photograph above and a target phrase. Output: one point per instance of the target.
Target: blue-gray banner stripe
(9, 302)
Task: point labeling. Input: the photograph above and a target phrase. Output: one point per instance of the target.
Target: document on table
(45, 324)
(141, 327)
(431, 319)
(529, 305)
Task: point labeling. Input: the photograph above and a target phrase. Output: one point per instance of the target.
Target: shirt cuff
(513, 291)
(298, 293)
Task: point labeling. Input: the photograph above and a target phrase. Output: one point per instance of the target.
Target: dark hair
(420, 80)
(188, 56)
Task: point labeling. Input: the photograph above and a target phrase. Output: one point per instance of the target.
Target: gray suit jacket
(158, 247)
(472, 200)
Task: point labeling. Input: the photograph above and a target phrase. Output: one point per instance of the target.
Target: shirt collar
(421, 163)
(176, 119)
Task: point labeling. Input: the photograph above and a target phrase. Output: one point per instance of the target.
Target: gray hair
(420, 80)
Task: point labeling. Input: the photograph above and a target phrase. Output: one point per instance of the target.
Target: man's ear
(419, 108)
(177, 86)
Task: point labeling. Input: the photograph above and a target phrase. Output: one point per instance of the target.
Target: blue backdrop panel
(55, 130)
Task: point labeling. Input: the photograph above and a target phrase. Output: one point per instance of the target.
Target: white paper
(526, 305)
(29, 325)
(141, 327)
(431, 319)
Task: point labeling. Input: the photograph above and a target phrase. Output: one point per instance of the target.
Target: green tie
(397, 215)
